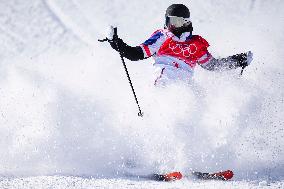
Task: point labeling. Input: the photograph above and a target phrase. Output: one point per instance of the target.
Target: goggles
(177, 21)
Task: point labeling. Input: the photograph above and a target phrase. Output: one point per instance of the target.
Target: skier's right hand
(111, 35)
(131, 53)
(113, 39)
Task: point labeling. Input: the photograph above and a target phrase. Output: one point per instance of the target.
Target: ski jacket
(175, 58)
(170, 51)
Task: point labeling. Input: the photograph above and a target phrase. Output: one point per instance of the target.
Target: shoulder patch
(153, 38)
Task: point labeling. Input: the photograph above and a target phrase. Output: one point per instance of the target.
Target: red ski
(167, 177)
(223, 175)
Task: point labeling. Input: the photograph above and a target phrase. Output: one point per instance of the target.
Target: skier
(176, 50)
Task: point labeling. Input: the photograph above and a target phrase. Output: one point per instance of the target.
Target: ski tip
(227, 175)
(173, 176)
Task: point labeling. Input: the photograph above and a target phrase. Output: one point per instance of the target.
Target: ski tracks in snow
(69, 15)
(10, 37)
(30, 27)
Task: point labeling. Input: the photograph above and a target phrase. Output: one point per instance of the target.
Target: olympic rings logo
(184, 49)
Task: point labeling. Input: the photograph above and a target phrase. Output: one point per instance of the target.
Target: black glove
(116, 43)
(112, 37)
(131, 53)
(242, 60)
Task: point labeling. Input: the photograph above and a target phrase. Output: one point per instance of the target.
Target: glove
(113, 39)
(249, 57)
(111, 33)
(242, 59)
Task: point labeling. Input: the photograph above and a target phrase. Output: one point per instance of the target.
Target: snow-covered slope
(66, 107)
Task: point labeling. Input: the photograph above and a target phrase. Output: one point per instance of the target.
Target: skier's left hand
(249, 57)
(243, 59)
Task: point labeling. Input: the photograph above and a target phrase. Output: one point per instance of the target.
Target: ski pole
(140, 113)
(243, 68)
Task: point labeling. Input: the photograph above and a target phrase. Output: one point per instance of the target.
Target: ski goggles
(177, 21)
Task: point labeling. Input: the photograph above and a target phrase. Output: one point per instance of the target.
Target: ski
(223, 175)
(167, 177)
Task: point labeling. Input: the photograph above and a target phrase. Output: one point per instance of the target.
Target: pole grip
(115, 32)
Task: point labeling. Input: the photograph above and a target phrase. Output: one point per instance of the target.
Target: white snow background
(68, 118)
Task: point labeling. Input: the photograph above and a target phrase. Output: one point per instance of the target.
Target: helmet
(178, 19)
(178, 10)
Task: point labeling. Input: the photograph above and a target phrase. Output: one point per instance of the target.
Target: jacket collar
(185, 36)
